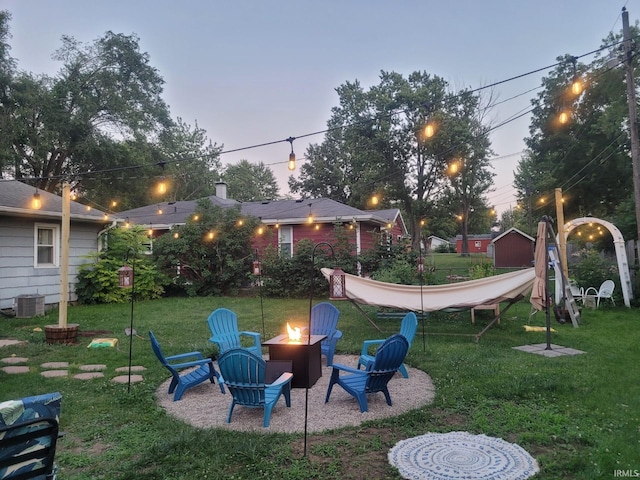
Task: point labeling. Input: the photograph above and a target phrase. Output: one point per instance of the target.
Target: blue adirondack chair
(324, 321)
(181, 382)
(223, 324)
(244, 375)
(359, 383)
(408, 328)
(28, 437)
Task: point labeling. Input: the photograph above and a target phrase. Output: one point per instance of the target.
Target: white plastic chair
(577, 292)
(605, 291)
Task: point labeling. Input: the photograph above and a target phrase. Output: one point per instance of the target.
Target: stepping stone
(92, 368)
(88, 375)
(54, 373)
(55, 365)
(14, 360)
(6, 343)
(134, 368)
(125, 378)
(20, 369)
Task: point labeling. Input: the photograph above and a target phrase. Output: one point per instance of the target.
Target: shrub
(208, 256)
(591, 269)
(98, 281)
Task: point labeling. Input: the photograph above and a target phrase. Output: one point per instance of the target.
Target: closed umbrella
(538, 292)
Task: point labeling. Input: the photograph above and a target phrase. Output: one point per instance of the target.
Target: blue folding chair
(181, 382)
(408, 328)
(244, 375)
(360, 383)
(223, 324)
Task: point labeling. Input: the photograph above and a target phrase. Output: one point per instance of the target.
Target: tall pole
(64, 255)
(633, 118)
(562, 240)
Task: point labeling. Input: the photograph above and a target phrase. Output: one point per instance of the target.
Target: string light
(429, 130)
(292, 156)
(36, 203)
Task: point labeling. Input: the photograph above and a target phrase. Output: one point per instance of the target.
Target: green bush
(591, 269)
(98, 281)
(211, 254)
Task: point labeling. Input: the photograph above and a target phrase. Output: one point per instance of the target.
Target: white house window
(46, 245)
(285, 242)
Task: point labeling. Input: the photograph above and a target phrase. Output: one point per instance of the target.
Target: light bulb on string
(36, 203)
(429, 130)
(292, 156)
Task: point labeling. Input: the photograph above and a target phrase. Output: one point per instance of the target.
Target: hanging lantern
(337, 285)
(126, 276)
(257, 268)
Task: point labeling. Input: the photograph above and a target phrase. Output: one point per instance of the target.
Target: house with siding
(475, 243)
(30, 243)
(286, 222)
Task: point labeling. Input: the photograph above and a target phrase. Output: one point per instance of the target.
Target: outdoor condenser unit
(29, 306)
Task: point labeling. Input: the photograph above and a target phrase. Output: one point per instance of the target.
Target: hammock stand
(507, 287)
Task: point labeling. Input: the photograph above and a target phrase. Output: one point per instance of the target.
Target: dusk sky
(253, 72)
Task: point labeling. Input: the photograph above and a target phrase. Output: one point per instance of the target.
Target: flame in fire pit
(294, 333)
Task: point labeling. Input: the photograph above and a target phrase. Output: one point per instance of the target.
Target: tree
(7, 69)
(248, 182)
(105, 92)
(190, 162)
(588, 155)
(376, 143)
(211, 255)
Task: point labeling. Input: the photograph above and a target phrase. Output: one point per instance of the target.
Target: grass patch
(577, 415)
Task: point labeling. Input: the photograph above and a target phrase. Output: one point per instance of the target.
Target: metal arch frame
(621, 253)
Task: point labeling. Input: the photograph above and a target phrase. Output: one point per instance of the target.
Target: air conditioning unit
(28, 306)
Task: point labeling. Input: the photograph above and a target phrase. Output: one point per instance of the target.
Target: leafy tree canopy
(377, 143)
(588, 156)
(248, 182)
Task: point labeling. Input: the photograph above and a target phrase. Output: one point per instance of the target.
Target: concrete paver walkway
(15, 365)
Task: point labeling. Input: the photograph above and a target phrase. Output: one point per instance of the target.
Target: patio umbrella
(538, 292)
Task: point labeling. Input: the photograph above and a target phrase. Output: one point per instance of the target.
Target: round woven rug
(461, 455)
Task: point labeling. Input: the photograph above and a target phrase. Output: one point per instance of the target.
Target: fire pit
(303, 352)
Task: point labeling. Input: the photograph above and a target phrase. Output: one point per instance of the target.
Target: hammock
(431, 298)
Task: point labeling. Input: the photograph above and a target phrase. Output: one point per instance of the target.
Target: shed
(512, 249)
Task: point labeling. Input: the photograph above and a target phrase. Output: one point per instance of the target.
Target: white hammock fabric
(431, 298)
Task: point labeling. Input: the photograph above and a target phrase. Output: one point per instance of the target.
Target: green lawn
(578, 416)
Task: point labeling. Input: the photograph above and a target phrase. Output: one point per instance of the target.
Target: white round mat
(461, 455)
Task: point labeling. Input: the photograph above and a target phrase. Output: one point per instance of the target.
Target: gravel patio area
(204, 406)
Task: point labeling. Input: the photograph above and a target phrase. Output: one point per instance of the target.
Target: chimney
(221, 189)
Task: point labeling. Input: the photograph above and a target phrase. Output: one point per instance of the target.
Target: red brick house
(286, 222)
(513, 248)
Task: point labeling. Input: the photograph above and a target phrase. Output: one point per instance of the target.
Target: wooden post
(562, 247)
(633, 117)
(64, 255)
